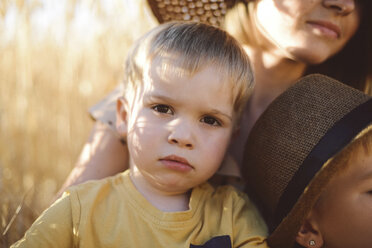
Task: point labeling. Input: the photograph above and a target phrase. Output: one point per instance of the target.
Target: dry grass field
(56, 60)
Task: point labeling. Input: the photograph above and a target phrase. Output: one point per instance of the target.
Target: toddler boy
(185, 87)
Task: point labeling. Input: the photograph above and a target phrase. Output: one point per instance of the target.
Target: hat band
(334, 140)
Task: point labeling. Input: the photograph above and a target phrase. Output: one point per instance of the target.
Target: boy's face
(179, 126)
(344, 211)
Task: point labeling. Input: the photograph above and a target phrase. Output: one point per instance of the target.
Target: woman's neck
(273, 75)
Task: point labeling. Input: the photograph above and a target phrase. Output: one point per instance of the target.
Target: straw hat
(288, 154)
(207, 11)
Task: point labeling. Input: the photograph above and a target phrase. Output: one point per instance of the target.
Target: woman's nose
(181, 134)
(343, 7)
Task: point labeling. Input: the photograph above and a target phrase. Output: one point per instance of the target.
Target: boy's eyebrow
(367, 175)
(217, 112)
(172, 100)
(161, 97)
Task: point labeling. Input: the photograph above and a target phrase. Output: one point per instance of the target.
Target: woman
(285, 40)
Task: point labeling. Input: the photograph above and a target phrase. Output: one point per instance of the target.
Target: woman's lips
(177, 163)
(326, 28)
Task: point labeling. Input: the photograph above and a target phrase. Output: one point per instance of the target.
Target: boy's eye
(210, 121)
(162, 108)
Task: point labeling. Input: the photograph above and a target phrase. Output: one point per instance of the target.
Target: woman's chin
(309, 56)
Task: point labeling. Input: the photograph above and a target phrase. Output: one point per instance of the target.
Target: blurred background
(57, 58)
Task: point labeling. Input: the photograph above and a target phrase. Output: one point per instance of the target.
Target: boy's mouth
(176, 163)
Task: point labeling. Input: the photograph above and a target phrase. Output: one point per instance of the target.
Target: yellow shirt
(112, 213)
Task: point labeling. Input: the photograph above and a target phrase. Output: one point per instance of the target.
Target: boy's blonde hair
(195, 45)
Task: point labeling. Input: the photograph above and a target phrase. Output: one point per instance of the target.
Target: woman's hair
(352, 65)
(192, 46)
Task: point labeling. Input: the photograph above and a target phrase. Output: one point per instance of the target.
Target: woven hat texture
(282, 139)
(208, 11)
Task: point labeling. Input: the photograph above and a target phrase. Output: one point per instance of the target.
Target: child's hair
(195, 45)
(364, 141)
(362, 144)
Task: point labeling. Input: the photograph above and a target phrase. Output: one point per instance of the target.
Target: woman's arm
(103, 155)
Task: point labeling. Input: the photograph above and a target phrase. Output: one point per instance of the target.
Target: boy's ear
(121, 116)
(309, 234)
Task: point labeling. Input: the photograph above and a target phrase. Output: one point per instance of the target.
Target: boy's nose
(181, 135)
(181, 142)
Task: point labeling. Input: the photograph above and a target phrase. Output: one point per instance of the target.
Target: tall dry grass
(47, 82)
